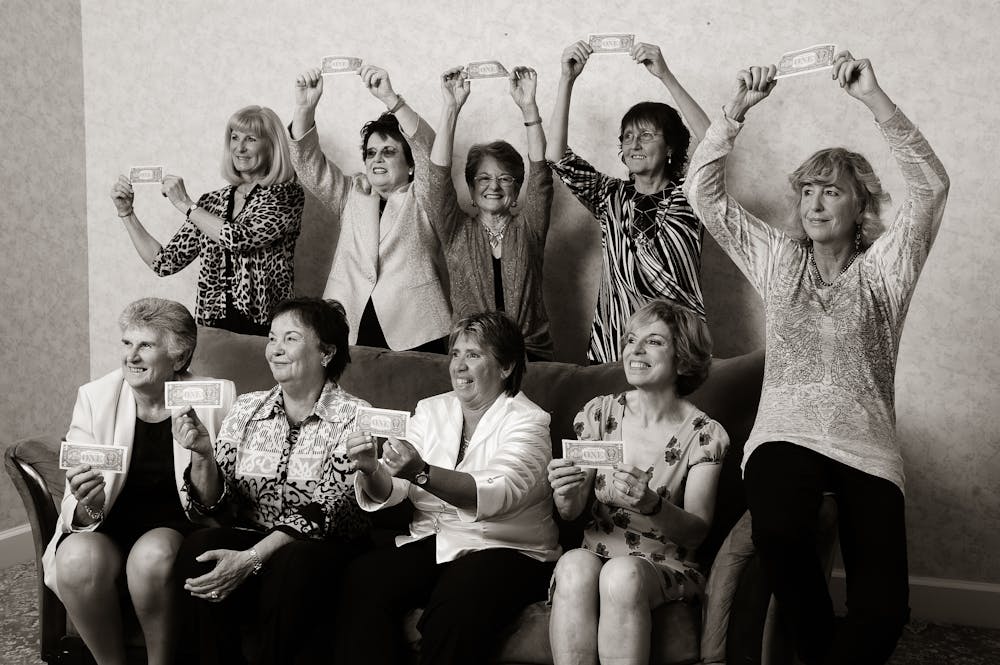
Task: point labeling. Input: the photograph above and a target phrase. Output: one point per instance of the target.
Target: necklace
(815, 268)
(496, 237)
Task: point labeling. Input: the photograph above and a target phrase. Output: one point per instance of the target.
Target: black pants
(290, 605)
(785, 484)
(467, 603)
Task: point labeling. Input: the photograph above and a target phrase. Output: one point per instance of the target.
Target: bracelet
(536, 121)
(398, 105)
(190, 210)
(128, 214)
(258, 563)
(96, 515)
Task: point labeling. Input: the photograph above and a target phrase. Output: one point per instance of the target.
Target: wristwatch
(423, 475)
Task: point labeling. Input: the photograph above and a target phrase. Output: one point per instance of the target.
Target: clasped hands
(626, 486)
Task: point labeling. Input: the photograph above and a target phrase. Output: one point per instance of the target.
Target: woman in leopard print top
(244, 233)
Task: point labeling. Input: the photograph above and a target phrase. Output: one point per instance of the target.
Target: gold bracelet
(398, 105)
(96, 515)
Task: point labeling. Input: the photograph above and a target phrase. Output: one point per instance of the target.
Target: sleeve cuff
(400, 488)
(310, 134)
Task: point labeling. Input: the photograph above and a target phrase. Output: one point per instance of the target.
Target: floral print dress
(615, 531)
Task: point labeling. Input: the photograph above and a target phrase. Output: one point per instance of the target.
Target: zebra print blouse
(651, 243)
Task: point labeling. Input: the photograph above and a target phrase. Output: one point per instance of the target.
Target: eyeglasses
(644, 137)
(483, 180)
(387, 151)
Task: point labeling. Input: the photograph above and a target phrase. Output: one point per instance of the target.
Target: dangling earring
(857, 239)
(411, 171)
(324, 362)
(473, 202)
(514, 204)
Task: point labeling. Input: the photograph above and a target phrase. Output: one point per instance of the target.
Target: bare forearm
(684, 528)
(444, 139)
(271, 543)
(880, 105)
(145, 244)
(206, 478)
(454, 487)
(696, 118)
(303, 119)
(536, 135)
(559, 125)
(377, 485)
(408, 118)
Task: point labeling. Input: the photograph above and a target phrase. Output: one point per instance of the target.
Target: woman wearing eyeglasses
(388, 269)
(650, 236)
(495, 257)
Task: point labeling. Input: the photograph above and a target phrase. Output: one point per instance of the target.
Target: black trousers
(785, 484)
(288, 608)
(467, 603)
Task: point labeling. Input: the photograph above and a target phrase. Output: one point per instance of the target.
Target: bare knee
(151, 560)
(87, 561)
(577, 573)
(623, 582)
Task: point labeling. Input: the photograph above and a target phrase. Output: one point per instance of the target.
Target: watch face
(422, 478)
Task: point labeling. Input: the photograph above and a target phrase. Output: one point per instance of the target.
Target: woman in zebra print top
(650, 236)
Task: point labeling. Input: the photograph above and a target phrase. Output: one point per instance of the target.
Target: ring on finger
(214, 595)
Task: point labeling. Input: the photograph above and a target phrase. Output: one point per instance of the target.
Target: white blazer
(105, 414)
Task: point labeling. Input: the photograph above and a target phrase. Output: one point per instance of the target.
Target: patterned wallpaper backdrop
(161, 79)
(43, 259)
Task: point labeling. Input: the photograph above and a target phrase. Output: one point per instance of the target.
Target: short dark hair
(508, 157)
(501, 338)
(692, 340)
(170, 318)
(326, 318)
(665, 119)
(385, 125)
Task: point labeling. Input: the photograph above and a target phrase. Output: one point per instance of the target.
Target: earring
(411, 171)
(514, 204)
(325, 362)
(473, 202)
(857, 239)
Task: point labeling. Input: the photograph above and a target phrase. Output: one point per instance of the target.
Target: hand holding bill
(361, 450)
(123, 196)
(523, 82)
(753, 85)
(455, 87)
(630, 489)
(190, 433)
(173, 188)
(401, 459)
(87, 486)
(574, 59)
(566, 478)
(377, 81)
(309, 88)
(650, 56)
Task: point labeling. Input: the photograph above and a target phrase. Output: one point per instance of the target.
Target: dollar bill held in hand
(594, 454)
(145, 175)
(340, 64)
(383, 422)
(201, 394)
(611, 43)
(100, 458)
(486, 69)
(805, 61)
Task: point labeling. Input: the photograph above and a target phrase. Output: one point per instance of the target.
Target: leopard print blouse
(258, 246)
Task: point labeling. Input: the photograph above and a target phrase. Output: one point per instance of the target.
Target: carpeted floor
(922, 644)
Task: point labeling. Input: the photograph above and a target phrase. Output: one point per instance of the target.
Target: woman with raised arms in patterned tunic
(651, 512)
(835, 300)
(244, 233)
(650, 238)
(280, 483)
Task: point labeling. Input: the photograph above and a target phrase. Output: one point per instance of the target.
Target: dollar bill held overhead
(611, 42)
(594, 454)
(486, 69)
(340, 64)
(100, 458)
(805, 61)
(200, 394)
(383, 422)
(145, 175)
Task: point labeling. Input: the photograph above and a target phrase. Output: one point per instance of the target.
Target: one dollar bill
(99, 458)
(201, 394)
(340, 64)
(383, 422)
(486, 69)
(594, 454)
(805, 61)
(145, 175)
(611, 42)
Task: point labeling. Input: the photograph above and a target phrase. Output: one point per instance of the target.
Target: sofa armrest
(33, 466)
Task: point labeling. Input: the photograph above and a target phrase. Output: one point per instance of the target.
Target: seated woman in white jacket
(130, 523)
(482, 540)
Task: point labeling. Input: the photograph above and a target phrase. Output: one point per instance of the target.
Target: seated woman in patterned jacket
(279, 478)
(650, 512)
(244, 233)
(651, 239)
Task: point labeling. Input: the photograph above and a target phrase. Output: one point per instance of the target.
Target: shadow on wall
(315, 247)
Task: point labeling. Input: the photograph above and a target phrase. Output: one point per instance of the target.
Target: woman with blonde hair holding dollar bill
(835, 299)
(123, 526)
(650, 511)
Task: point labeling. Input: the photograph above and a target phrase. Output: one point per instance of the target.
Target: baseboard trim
(16, 546)
(941, 600)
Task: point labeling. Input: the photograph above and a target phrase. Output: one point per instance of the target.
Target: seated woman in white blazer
(129, 523)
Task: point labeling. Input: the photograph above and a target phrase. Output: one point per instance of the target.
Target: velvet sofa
(398, 381)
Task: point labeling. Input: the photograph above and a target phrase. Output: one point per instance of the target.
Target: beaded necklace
(815, 268)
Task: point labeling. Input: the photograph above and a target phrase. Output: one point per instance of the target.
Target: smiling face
(829, 212)
(294, 353)
(645, 159)
(493, 190)
(250, 154)
(649, 356)
(385, 163)
(476, 376)
(146, 361)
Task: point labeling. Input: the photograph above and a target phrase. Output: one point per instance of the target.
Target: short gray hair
(169, 317)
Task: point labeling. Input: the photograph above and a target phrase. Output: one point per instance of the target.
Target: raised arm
(574, 58)
(650, 56)
(308, 90)
(523, 82)
(124, 197)
(454, 92)
(377, 81)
